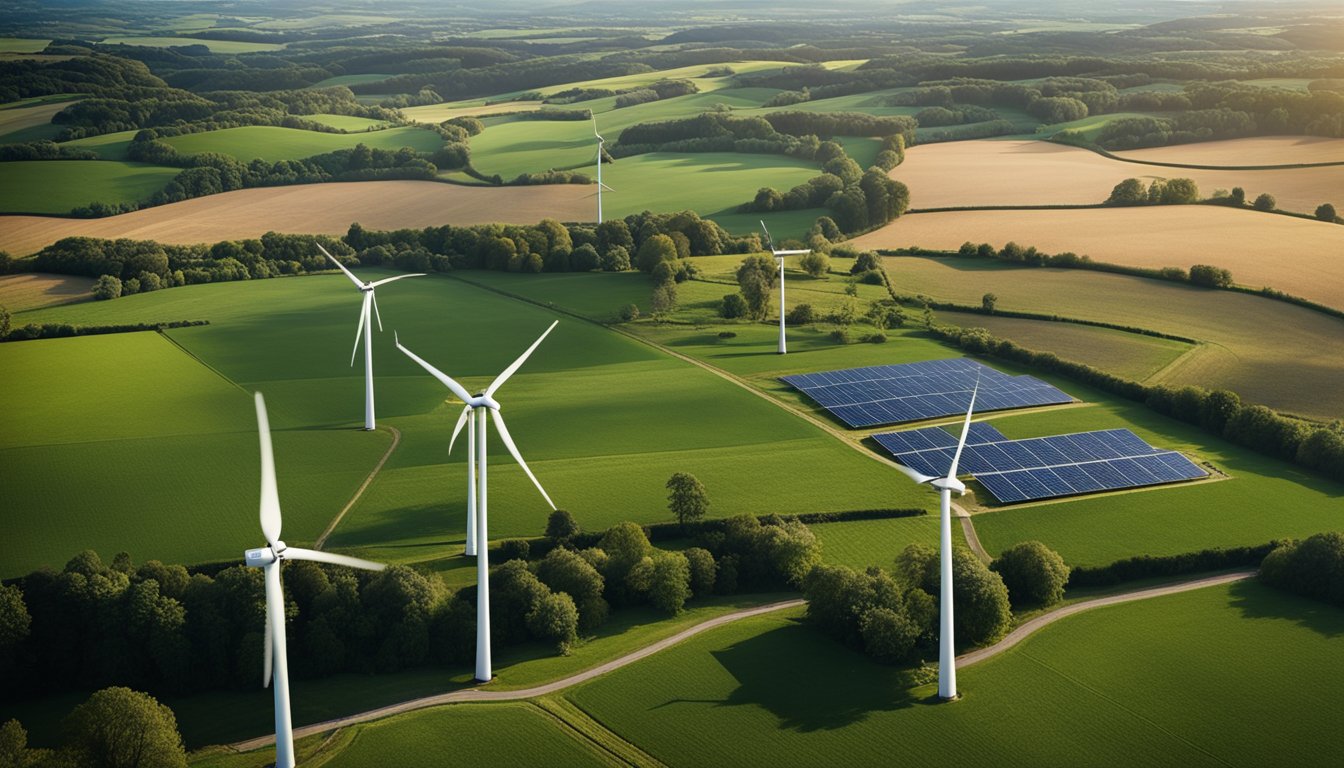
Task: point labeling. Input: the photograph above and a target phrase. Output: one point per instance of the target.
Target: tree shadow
(809, 681)
(427, 524)
(1256, 600)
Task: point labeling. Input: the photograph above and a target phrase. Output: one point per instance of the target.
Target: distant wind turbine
(779, 255)
(365, 329)
(474, 414)
(947, 654)
(600, 186)
(276, 664)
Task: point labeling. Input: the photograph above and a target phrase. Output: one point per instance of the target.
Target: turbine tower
(600, 186)
(276, 664)
(779, 256)
(365, 329)
(947, 654)
(474, 414)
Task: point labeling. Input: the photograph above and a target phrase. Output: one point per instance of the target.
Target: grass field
(34, 290)
(19, 124)
(708, 183)
(347, 122)
(1042, 173)
(437, 113)
(350, 80)
(1265, 150)
(862, 543)
(215, 46)
(22, 44)
(304, 209)
(1163, 681)
(272, 143)
(1254, 246)
(57, 186)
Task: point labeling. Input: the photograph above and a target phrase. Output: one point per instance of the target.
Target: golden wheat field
(1301, 257)
(978, 173)
(31, 291)
(312, 209)
(1264, 150)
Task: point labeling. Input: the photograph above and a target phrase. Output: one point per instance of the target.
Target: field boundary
(208, 366)
(364, 486)
(1195, 167)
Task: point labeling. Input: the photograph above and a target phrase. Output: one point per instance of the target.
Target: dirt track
(313, 209)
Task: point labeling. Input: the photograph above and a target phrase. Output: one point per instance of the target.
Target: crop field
(708, 182)
(33, 290)
(1042, 173)
(1267, 150)
(1131, 355)
(437, 113)
(30, 123)
(1131, 684)
(861, 543)
(273, 143)
(215, 46)
(1254, 246)
(347, 122)
(37, 186)
(311, 208)
(22, 44)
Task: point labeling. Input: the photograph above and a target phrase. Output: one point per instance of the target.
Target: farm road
(966, 659)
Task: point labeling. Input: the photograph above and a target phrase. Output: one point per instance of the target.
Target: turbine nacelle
(260, 558)
(949, 484)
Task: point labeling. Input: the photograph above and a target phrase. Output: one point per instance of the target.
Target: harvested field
(1304, 258)
(1041, 173)
(1265, 150)
(311, 208)
(1268, 351)
(34, 291)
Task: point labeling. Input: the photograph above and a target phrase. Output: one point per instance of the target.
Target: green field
(708, 183)
(272, 143)
(22, 44)
(57, 186)
(350, 80)
(1267, 351)
(215, 46)
(1174, 680)
(347, 122)
(863, 543)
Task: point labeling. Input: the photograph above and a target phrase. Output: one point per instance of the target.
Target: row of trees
(856, 200)
(1205, 275)
(1313, 567)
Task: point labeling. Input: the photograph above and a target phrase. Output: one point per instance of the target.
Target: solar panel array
(1042, 467)
(891, 394)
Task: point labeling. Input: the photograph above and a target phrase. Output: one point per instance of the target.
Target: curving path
(964, 660)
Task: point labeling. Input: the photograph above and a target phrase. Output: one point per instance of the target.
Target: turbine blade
(918, 477)
(457, 430)
(267, 655)
(965, 429)
(457, 389)
(359, 331)
(395, 278)
(347, 272)
(503, 377)
(518, 457)
(604, 186)
(275, 617)
(769, 241)
(270, 497)
(317, 555)
(373, 299)
(792, 253)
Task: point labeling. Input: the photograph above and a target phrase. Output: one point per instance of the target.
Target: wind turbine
(365, 329)
(476, 407)
(600, 186)
(947, 655)
(276, 664)
(779, 255)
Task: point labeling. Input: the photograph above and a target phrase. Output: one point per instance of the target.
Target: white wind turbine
(947, 654)
(365, 329)
(779, 256)
(476, 407)
(276, 664)
(600, 186)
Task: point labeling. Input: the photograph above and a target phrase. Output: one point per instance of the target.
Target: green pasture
(709, 183)
(273, 143)
(215, 46)
(23, 44)
(863, 543)
(1163, 681)
(122, 437)
(1090, 126)
(1268, 351)
(347, 122)
(108, 146)
(350, 80)
(28, 120)
(57, 186)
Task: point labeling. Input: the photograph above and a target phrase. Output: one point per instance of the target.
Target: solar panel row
(1042, 467)
(889, 394)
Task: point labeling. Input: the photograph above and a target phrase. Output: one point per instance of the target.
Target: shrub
(1033, 573)
(1313, 567)
(733, 306)
(561, 527)
(1325, 212)
(988, 302)
(1210, 276)
(616, 259)
(107, 287)
(865, 261)
(1265, 202)
(840, 336)
(801, 314)
(514, 549)
(817, 264)
(555, 619)
(727, 335)
(876, 338)
(628, 313)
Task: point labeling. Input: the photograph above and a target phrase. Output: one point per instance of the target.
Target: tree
(1180, 192)
(615, 259)
(1324, 212)
(614, 234)
(733, 306)
(625, 545)
(107, 287)
(555, 619)
(664, 299)
(1237, 197)
(686, 498)
(565, 571)
(629, 312)
(816, 264)
(4, 322)
(704, 572)
(584, 258)
(801, 314)
(756, 278)
(121, 728)
(988, 301)
(654, 251)
(982, 612)
(561, 527)
(1033, 573)
(888, 635)
(1128, 192)
(670, 582)
(1210, 276)
(1265, 202)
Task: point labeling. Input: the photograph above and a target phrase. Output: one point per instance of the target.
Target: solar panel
(1042, 467)
(892, 394)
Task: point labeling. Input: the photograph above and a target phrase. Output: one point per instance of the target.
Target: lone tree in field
(1324, 212)
(561, 527)
(1265, 202)
(988, 301)
(1033, 573)
(125, 728)
(817, 264)
(686, 498)
(756, 277)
